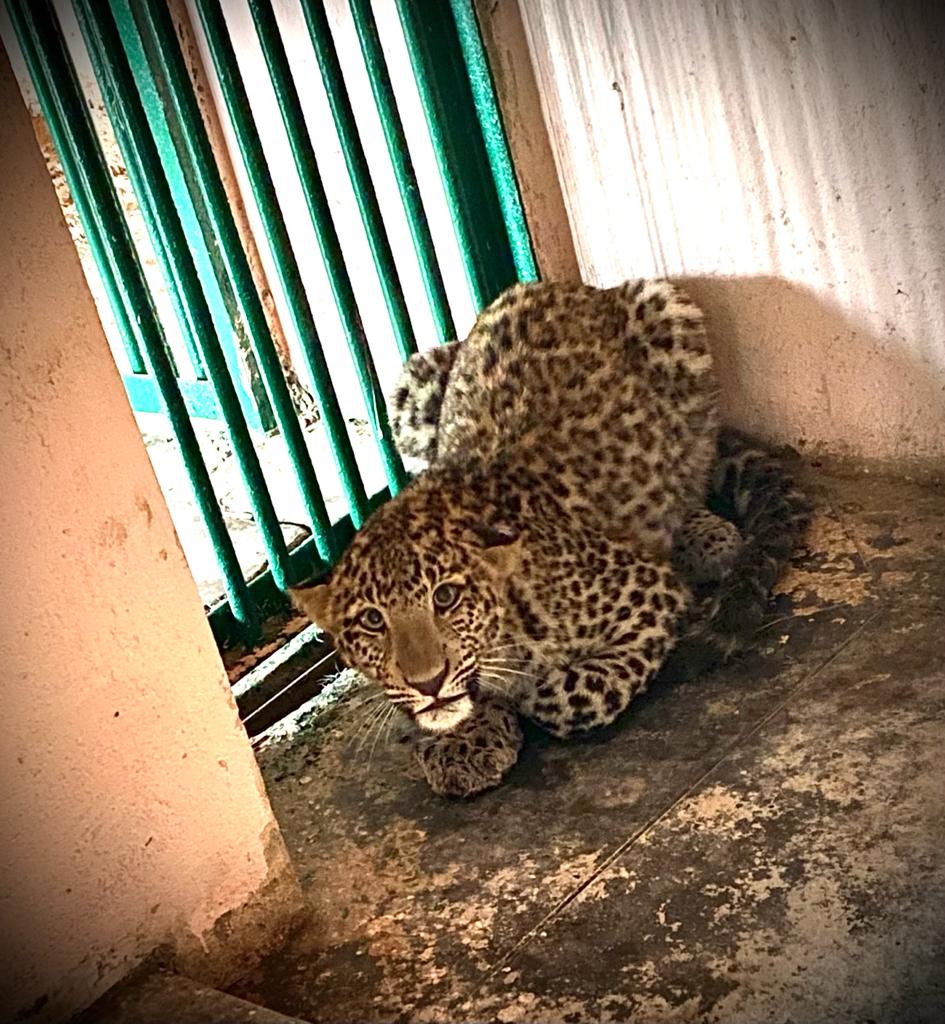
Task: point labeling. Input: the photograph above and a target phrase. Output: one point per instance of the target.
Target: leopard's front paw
(472, 760)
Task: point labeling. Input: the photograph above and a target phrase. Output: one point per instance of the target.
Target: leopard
(578, 509)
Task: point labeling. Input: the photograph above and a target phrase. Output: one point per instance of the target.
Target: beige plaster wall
(787, 157)
(133, 814)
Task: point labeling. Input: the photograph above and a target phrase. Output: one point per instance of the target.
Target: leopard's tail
(753, 489)
(416, 400)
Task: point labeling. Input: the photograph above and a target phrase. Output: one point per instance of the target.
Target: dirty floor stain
(763, 844)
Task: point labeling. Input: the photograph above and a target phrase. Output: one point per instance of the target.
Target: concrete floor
(764, 844)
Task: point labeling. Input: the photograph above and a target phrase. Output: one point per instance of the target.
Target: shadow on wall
(795, 367)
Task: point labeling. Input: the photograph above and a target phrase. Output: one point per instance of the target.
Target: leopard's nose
(430, 687)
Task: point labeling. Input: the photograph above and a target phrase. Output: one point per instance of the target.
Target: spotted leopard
(559, 539)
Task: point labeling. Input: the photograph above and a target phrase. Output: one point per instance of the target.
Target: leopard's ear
(315, 601)
(501, 546)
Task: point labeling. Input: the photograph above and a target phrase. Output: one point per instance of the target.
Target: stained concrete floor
(763, 844)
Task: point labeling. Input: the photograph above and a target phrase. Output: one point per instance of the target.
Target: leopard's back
(609, 395)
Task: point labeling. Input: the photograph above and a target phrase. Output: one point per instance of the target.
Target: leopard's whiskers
(365, 725)
(511, 664)
(363, 701)
(495, 686)
(497, 680)
(523, 641)
(507, 656)
(504, 671)
(381, 730)
(376, 728)
(522, 663)
(366, 710)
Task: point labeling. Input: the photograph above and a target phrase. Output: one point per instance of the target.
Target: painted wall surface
(787, 157)
(133, 814)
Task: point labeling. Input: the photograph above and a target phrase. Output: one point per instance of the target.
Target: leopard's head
(416, 603)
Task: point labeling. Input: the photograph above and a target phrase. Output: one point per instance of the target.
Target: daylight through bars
(238, 376)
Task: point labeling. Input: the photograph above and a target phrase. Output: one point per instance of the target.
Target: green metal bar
(167, 236)
(220, 232)
(89, 181)
(493, 132)
(400, 160)
(264, 193)
(306, 565)
(287, 95)
(360, 175)
(95, 234)
(443, 83)
(135, 360)
(208, 260)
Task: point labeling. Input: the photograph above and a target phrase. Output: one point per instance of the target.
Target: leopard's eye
(445, 596)
(372, 619)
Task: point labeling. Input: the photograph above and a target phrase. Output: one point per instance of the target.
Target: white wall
(788, 156)
(133, 814)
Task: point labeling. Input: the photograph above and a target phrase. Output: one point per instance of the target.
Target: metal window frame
(171, 165)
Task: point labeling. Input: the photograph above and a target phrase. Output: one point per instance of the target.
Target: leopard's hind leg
(755, 495)
(754, 489)
(706, 548)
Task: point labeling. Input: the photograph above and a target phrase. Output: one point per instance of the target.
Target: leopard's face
(417, 613)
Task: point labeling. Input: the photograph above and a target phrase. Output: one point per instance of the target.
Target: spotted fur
(417, 401)
(534, 566)
(753, 489)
